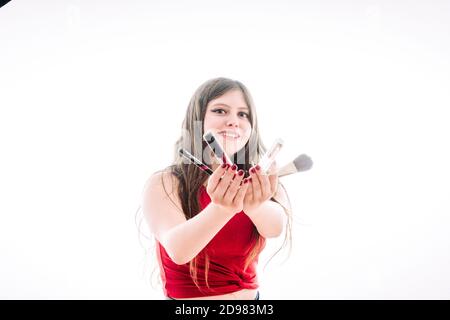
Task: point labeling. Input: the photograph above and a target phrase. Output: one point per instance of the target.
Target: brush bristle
(303, 162)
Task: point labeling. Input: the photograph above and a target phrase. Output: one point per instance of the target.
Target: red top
(227, 252)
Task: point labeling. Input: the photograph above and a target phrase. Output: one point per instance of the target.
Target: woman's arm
(184, 239)
(268, 216)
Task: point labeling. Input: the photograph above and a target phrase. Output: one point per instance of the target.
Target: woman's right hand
(225, 188)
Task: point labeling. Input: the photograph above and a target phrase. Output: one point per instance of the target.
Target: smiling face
(228, 118)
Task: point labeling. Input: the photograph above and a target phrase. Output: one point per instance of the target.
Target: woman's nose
(232, 121)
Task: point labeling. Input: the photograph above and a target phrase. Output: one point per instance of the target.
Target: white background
(92, 95)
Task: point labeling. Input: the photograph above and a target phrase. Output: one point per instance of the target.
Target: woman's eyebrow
(223, 104)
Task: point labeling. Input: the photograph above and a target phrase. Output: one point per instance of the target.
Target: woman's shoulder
(160, 202)
(161, 190)
(164, 178)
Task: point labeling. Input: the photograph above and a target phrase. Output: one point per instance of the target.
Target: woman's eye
(222, 111)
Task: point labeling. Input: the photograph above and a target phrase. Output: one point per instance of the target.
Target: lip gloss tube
(269, 157)
(195, 161)
(215, 146)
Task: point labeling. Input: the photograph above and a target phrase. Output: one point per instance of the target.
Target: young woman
(210, 229)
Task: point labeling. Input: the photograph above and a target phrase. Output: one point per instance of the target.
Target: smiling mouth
(229, 135)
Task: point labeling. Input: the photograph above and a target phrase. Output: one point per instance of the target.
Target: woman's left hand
(262, 187)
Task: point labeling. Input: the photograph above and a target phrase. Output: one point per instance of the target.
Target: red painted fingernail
(245, 180)
(224, 165)
(240, 172)
(224, 158)
(252, 170)
(250, 179)
(233, 167)
(258, 167)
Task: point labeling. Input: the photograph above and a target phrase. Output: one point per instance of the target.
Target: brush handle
(268, 158)
(195, 161)
(215, 146)
(287, 170)
(301, 163)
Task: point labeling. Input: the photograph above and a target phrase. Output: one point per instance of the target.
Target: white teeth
(229, 135)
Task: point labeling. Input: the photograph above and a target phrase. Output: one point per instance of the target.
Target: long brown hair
(190, 178)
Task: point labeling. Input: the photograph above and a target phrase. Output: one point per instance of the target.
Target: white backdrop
(92, 95)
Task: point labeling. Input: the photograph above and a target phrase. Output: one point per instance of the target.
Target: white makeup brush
(268, 158)
(301, 163)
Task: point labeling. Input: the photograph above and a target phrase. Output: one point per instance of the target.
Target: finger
(241, 192)
(256, 184)
(250, 187)
(265, 184)
(234, 186)
(273, 180)
(224, 183)
(215, 178)
(248, 196)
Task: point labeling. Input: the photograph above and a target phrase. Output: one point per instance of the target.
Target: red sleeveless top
(227, 253)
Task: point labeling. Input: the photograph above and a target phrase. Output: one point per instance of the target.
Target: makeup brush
(301, 163)
(184, 153)
(268, 158)
(215, 146)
